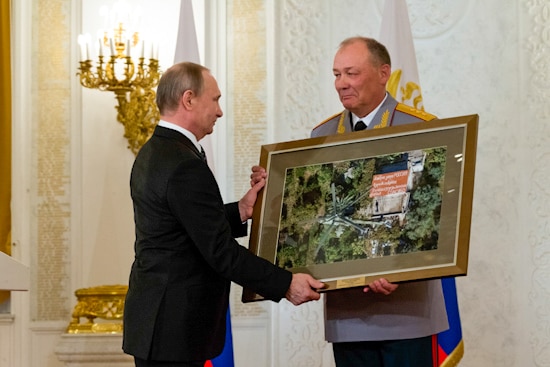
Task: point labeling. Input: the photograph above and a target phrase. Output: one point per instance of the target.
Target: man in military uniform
(361, 70)
(382, 325)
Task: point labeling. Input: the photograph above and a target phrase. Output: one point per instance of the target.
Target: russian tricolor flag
(225, 359)
(450, 347)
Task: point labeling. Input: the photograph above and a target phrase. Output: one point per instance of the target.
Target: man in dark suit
(185, 251)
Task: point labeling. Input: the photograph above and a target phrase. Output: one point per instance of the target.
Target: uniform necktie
(360, 125)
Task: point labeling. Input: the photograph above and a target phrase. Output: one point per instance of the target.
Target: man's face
(208, 107)
(361, 85)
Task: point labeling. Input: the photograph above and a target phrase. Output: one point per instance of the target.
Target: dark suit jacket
(185, 256)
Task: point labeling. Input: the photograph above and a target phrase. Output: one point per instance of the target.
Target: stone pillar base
(92, 350)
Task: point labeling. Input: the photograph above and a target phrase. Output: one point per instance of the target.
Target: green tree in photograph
(421, 231)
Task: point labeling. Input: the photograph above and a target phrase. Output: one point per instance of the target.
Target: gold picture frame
(392, 203)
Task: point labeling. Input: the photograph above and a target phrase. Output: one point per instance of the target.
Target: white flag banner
(396, 35)
(187, 49)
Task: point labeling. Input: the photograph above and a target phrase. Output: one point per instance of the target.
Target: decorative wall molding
(432, 18)
(302, 336)
(537, 47)
(300, 50)
(535, 27)
(51, 173)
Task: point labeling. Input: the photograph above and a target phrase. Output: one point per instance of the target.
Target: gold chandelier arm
(133, 80)
(134, 90)
(138, 112)
(87, 78)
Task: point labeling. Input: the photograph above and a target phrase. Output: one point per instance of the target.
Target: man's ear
(187, 99)
(385, 72)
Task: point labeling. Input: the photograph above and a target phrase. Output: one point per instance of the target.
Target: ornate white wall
(485, 58)
(273, 60)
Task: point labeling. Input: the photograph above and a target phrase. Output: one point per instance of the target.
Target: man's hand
(303, 288)
(258, 174)
(381, 286)
(257, 182)
(246, 204)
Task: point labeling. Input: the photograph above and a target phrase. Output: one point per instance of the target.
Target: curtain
(5, 132)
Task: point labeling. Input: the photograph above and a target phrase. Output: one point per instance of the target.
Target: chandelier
(117, 69)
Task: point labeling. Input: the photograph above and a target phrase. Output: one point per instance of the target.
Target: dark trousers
(417, 352)
(146, 363)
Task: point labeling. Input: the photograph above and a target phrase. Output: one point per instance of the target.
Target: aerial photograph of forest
(364, 208)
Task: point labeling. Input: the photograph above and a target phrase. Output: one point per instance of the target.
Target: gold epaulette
(415, 112)
(327, 120)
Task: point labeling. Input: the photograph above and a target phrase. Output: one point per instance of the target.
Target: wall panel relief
(299, 53)
(246, 80)
(431, 18)
(469, 67)
(302, 336)
(51, 168)
(536, 102)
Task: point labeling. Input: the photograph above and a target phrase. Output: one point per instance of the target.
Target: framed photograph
(352, 208)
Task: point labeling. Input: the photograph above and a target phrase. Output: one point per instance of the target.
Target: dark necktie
(360, 125)
(203, 155)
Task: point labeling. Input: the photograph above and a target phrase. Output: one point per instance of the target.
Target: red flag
(404, 86)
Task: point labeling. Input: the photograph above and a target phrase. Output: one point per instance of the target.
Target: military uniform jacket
(415, 309)
(185, 256)
(391, 113)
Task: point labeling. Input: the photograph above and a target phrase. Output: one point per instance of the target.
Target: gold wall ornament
(98, 310)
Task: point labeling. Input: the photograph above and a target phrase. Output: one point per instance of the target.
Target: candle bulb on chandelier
(100, 51)
(82, 48)
(128, 54)
(142, 49)
(112, 47)
(87, 49)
